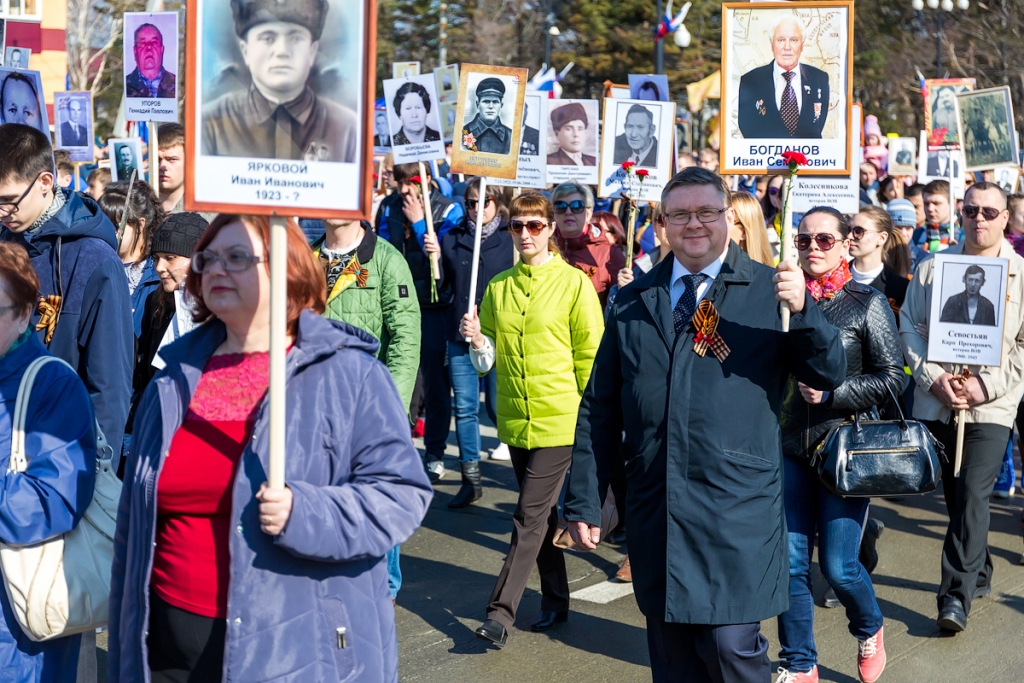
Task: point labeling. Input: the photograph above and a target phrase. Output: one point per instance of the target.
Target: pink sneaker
(787, 676)
(871, 658)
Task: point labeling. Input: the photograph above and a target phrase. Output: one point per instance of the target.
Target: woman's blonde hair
(750, 217)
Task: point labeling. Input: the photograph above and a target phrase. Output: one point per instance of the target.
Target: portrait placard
(902, 156)
(3, 39)
(248, 153)
(21, 98)
(648, 87)
(940, 110)
(1007, 177)
(842, 194)
(73, 126)
(968, 298)
(414, 118)
(405, 69)
(787, 83)
(448, 112)
(447, 82)
(531, 169)
(151, 66)
(639, 131)
(616, 91)
(381, 131)
(572, 142)
(16, 57)
(938, 163)
(489, 120)
(985, 125)
(125, 156)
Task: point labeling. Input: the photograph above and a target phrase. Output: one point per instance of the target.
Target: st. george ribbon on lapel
(705, 321)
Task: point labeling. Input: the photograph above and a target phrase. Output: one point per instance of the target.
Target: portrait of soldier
(279, 116)
(905, 155)
(944, 110)
(570, 125)
(74, 132)
(486, 132)
(411, 105)
(637, 143)
(19, 101)
(149, 79)
(785, 98)
(124, 157)
(529, 145)
(969, 307)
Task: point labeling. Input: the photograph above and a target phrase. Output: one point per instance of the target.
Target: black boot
(471, 490)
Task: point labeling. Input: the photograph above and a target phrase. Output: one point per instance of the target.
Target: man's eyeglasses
(234, 261)
(471, 204)
(680, 218)
(9, 208)
(988, 212)
(577, 206)
(533, 227)
(858, 232)
(824, 241)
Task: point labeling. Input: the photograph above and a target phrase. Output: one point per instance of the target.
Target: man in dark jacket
(84, 313)
(402, 222)
(705, 521)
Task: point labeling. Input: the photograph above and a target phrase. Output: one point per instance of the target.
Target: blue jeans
(837, 521)
(466, 385)
(394, 571)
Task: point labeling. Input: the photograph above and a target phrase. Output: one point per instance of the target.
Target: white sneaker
(435, 470)
(500, 453)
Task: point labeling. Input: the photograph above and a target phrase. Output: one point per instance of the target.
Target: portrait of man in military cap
(486, 132)
(279, 114)
(571, 125)
(489, 120)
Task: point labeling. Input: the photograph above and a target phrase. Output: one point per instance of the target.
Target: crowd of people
(588, 373)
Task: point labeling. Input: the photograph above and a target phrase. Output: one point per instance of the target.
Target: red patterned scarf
(828, 285)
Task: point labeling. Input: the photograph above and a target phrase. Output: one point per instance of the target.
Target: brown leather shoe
(625, 573)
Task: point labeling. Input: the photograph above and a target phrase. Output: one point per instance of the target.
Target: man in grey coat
(704, 462)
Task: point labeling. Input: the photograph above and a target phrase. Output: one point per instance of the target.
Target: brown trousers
(540, 473)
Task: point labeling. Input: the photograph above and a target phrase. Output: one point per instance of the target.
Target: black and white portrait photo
(489, 120)
(640, 132)
(125, 157)
(405, 69)
(531, 169)
(784, 84)
(967, 308)
(21, 98)
(571, 129)
(414, 118)
(282, 81)
(151, 65)
(448, 112)
(1007, 177)
(17, 57)
(3, 39)
(939, 163)
(986, 128)
(940, 108)
(902, 156)
(73, 125)
(381, 132)
(648, 87)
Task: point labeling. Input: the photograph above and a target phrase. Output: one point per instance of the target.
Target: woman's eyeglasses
(233, 261)
(577, 206)
(471, 204)
(823, 240)
(988, 212)
(534, 227)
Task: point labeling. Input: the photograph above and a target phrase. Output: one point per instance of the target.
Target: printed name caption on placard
(267, 182)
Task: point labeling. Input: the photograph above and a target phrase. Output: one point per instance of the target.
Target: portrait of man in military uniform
(529, 144)
(486, 132)
(279, 115)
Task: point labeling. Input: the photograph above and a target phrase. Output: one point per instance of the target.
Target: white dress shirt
(780, 86)
(577, 157)
(679, 270)
(638, 157)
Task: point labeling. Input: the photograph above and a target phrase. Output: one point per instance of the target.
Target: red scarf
(828, 285)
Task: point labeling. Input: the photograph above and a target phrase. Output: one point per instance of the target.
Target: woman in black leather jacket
(874, 361)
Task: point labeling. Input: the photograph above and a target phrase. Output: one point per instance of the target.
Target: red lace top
(191, 560)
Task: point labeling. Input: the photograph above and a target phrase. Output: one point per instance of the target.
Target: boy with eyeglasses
(583, 244)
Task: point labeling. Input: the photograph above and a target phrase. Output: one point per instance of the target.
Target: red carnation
(938, 136)
(626, 165)
(643, 173)
(416, 180)
(792, 157)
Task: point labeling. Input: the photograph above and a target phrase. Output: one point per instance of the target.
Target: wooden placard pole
(475, 266)
(154, 157)
(786, 240)
(278, 347)
(435, 271)
(631, 233)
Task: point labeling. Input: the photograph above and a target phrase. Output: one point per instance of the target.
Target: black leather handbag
(877, 458)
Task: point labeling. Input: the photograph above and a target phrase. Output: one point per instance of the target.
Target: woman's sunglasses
(857, 232)
(471, 204)
(534, 227)
(823, 240)
(577, 206)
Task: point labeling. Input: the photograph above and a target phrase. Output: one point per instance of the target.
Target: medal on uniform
(705, 321)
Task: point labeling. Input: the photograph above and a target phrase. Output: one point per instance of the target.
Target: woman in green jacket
(540, 324)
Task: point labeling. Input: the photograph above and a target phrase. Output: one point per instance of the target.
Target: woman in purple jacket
(218, 577)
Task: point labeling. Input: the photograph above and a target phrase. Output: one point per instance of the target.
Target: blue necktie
(687, 304)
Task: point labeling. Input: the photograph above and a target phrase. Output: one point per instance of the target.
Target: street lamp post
(659, 47)
(947, 6)
(550, 31)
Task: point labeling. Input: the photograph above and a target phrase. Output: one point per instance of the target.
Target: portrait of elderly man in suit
(970, 307)
(786, 98)
(74, 132)
(637, 142)
(570, 123)
(149, 78)
(279, 116)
